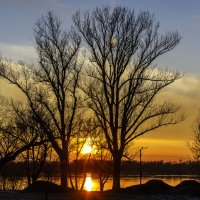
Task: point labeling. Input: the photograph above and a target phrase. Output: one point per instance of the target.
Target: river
(92, 182)
(172, 180)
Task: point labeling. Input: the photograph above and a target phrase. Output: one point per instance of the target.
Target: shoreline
(92, 196)
(152, 190)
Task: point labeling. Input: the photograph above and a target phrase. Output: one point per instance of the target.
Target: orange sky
(171, 143)
(167, 143)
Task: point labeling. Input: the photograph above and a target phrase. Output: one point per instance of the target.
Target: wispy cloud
(18, 52)
(187, 87)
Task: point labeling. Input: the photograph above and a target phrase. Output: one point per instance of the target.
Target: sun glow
(87, 149)
(88, 184)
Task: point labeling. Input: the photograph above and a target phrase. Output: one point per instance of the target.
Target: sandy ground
(89, 196)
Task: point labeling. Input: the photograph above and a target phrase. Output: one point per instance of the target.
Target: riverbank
(152, 190)
(91, 196)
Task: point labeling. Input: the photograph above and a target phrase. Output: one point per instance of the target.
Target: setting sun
(87, 149)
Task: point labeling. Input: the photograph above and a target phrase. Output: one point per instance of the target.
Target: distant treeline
(51, 169)
(162, 168)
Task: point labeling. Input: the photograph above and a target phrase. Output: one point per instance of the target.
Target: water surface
(92, 182)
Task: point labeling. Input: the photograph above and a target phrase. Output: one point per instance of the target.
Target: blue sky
(17, 18)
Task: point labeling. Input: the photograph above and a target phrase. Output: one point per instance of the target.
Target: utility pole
(142, 148)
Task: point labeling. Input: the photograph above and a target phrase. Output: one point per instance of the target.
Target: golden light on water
(88, 184)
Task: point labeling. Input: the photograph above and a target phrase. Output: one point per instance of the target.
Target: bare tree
(76, 147)
(29, 130)
(105, 161)
(194, 145)
(35, 158)
(52, 158)
(21, 135)
(51, 88)
(123, 47)
(14, 132)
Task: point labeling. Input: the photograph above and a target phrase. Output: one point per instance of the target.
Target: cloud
(19, 52)
(10, 91)
(185, 91)
(170, 142)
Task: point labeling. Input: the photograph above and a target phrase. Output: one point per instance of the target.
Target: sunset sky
(17, 18)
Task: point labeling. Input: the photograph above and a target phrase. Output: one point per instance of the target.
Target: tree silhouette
(194, 145)
(51, 87)
(122, 47)
(105, 161)
(18, 131)
(75, 149)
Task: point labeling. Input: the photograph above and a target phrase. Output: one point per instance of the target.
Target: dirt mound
(156, 186)
(44, 186)
(188, 183)
(188, 187)
(151, 187)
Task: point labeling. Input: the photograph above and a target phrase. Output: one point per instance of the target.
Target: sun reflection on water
(88, 183)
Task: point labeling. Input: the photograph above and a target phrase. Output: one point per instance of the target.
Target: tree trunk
(101, 187)
(28, 168)
(116, 172)
(63, 169)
